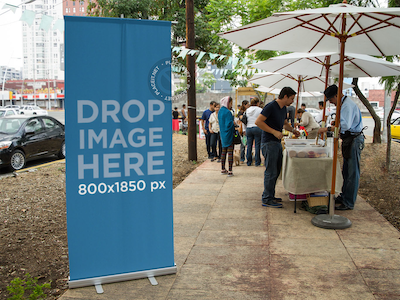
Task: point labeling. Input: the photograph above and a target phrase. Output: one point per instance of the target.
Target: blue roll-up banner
(119, 149)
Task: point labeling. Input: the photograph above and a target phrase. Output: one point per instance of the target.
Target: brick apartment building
(379, 96)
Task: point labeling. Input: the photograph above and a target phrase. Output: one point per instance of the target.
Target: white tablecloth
(309, 175)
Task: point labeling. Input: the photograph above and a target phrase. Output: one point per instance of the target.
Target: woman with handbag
(227, 131)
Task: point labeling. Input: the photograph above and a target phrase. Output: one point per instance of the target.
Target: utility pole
(191, 81)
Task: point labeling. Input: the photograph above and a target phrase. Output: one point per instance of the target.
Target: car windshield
(10, 126)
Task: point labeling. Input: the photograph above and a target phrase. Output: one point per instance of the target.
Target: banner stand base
(98, 281)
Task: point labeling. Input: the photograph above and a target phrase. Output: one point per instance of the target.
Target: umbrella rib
(325, 32)
(365, 32)
(369, 75)
(317, 61)
(277, 82)
(354, 23)
(386, 20)
(311, 78)
(317, 28)
(255, 26)
(285, 31)
(291, 63)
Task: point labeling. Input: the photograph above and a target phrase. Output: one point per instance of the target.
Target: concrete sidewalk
(228, 246)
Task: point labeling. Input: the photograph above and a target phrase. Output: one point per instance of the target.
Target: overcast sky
(10, 35)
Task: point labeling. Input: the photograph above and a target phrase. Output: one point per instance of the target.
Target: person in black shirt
(272, 120)
(175, 113)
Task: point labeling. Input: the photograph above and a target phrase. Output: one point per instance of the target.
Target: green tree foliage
(208, 79)
(211, 18)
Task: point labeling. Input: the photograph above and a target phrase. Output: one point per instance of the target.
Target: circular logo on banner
(160, 79)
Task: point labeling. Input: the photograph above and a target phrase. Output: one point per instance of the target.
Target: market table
(309, 175)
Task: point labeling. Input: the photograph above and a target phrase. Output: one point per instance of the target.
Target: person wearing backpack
(253, 133)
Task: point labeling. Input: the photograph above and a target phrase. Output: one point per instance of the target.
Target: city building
(8, 73)
(75, 8)
(43, 45)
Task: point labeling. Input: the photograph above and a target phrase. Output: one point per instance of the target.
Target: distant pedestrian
(242, 129)
(175, 120)
(308, 122)
(204, 123)
(215, 139)
(184, 117)
(227, 130)
(253, 133)
(291, 111)
(175, 113)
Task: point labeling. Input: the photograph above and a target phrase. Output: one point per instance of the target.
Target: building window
(74, 9)
(73, 3)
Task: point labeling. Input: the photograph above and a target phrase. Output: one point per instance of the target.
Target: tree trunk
(389, 129)
(191, 81)
(259, 95)
(377, 128)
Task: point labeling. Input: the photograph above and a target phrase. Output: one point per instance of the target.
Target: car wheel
(18, 160)
(61, 154)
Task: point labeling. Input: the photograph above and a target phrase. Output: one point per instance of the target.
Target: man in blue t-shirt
(204, 123)
(272, 120)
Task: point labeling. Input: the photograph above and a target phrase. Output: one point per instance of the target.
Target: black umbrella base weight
(331, 222)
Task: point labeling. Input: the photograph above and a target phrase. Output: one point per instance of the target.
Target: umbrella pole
(327, 67)
(298, 95)
(333, 221)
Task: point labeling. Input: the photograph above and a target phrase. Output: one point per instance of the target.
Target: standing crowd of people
(261, 128)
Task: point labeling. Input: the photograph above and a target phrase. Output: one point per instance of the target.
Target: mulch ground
(33, 214)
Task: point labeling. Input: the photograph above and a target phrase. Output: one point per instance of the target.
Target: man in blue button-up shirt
(351, 132)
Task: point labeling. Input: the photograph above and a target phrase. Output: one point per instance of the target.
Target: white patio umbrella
(298, 83)
(320, 64)
(373, 31)
(316, 63)
(264, 89)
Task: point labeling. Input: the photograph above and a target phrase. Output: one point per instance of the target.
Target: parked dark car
(24, 138)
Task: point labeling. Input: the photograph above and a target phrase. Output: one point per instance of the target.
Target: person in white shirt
(214, 131)
(253, 132)
(308, 122)
(318, 118)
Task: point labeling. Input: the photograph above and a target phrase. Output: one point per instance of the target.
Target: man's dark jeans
(351, 173)
(272, 151)
(208, 143)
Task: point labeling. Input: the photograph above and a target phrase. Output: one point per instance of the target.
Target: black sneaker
(272, 203)
(342, 207)
(338, 200)
(278, 199)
